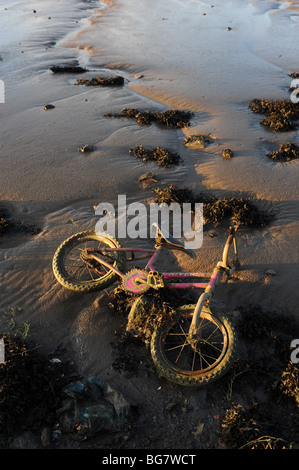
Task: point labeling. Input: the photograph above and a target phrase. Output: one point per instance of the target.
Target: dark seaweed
(169, 118)
(162, 156)
(241, 211)
(281, 114)
(100, 81)
(287, 152)
(67, 69)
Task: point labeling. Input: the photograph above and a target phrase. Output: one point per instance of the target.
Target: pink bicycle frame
(209, 287)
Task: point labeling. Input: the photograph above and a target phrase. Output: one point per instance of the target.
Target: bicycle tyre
(70, 283)
(174, 372)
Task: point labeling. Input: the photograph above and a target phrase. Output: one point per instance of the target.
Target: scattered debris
(287, 152)
(91, 407)
(227, 154)
(162, 156)
(243, 428)
(149, 176)
(101, 81)
(169, 118)
(67, 69)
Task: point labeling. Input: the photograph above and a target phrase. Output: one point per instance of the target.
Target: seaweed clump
(30, 389)
(67, 69)
(287, 152)
(145, 313)
(289, 383)
(243, 428)
(281, 114)
(100, 81)
(8, 225)
(227, 154)
(241, 211)
(170, 118)
(162, 156)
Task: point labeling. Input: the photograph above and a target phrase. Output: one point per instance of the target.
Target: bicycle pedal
(155, 279)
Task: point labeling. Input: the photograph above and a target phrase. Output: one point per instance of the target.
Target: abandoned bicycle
(192, 348)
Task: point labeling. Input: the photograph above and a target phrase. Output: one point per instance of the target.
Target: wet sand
(185, 61)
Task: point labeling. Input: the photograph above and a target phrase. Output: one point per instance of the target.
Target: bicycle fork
(204, 299)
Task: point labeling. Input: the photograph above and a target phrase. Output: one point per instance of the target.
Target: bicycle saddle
(164, 238)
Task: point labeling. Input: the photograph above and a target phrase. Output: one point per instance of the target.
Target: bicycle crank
(139, 281)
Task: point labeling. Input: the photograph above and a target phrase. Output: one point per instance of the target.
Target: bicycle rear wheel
(201, 361)
(76, 270)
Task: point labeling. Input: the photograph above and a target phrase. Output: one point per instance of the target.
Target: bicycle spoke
(200, 353)
(81, 265)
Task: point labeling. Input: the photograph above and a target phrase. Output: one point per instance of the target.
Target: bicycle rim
(202, 356)
(200, 361)
(76, 269)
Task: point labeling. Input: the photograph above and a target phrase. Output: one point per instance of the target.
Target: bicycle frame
(209, 287)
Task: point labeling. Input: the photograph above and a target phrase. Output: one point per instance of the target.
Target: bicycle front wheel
(199, 361)
(76, 270)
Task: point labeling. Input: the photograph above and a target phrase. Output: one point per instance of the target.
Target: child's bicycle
(193, 347)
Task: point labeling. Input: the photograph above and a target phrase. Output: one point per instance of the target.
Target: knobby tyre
(76, 272)
(200, 362)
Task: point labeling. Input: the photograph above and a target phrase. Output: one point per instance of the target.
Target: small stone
(138, 76)
(228, 29)
(198, 430)
(49, 106)
(227, 153)
(270, 272)
(196, 141)
(86, 148)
